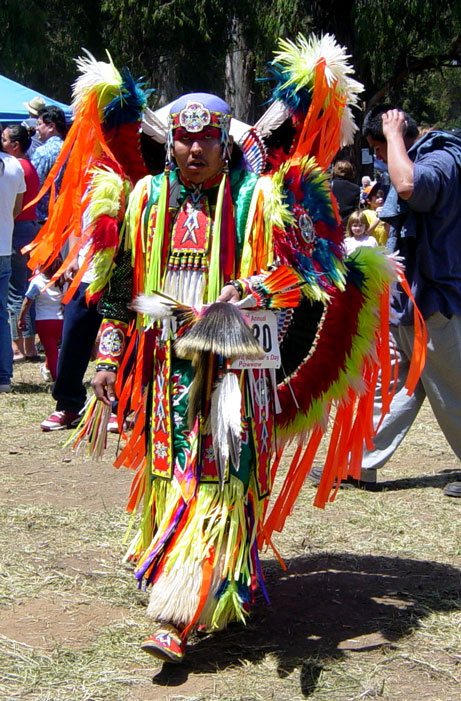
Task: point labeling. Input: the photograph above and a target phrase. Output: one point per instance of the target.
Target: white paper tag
(264, 325)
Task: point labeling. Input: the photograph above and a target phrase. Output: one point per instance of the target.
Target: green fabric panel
(242, 185)
(182, 375)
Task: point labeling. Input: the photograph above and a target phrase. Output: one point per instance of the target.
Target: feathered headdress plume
(314, 86)
(101, 160)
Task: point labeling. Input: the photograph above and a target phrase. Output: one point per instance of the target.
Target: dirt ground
(369, 605)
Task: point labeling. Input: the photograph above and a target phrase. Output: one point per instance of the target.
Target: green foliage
(396, 39)
(399, 47)
(40, 41)
(434, 98)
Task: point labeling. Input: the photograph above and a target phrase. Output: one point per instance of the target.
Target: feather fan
(222, 330)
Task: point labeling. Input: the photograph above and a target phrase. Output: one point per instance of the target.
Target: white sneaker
(46, 374)
(5, 388)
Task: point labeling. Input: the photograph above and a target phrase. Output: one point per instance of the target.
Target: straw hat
(35, 105)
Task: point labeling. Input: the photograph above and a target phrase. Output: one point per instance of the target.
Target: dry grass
(369, 606)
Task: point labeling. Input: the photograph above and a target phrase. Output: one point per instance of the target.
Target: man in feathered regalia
(207, 346)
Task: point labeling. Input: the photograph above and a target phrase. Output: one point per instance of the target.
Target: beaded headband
(196, 111)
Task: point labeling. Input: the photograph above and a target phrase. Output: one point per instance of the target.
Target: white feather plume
(348, 127)
(272, 118)
(225, 421)
(97, 76)
(300, 59)
(155, 306)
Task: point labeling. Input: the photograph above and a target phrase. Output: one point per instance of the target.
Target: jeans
(6, 351)
(440, 382)
(24, 232)
(81, 325)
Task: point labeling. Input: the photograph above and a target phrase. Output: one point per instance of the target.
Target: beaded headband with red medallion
(198, 113)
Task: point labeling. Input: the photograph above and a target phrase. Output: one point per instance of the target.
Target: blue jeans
(6, 351)
(81, 325)
(24, 232)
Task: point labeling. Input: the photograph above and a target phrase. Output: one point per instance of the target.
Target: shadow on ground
(420, 482)
(31, 388)
(322, 606)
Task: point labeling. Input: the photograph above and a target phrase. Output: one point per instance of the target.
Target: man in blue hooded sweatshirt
(424, 207)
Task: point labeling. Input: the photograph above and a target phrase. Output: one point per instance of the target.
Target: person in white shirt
(12, 188)
(48, 313)
(357, 233)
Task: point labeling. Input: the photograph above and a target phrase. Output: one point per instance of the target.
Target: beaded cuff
(111, 344)
(106, 367)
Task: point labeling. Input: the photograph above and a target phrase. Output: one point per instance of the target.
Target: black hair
(21, 134)
(373, 123)
(52, 114)
(49, 270)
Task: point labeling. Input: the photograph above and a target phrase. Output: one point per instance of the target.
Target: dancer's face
(198, 156)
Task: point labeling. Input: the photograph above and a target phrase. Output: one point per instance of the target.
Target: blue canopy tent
(12, 97)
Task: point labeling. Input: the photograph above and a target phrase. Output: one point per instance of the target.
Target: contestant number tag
(264, 325)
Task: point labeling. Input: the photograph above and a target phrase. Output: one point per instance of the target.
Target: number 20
(266, 341)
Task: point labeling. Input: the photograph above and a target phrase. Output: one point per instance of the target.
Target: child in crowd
(374, 205)
(48, 313)
(357, 233)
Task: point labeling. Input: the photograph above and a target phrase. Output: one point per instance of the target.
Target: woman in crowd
(16, 140)
(346, 191)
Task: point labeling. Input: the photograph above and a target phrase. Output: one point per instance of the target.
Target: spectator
(374, 204)
(12, 188)
(347, 192)
(51, 129)
(49, 313)
(33, 106)
(16, 141)
(424, 206)
(366, 186)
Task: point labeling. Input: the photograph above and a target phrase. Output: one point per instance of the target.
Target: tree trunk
(239, 73)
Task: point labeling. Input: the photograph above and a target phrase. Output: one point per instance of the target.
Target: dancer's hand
(229, 294)
(71, 270)
(103, 384)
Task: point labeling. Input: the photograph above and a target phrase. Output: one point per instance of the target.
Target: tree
(395, 41)
(40, 40)
(397, 46)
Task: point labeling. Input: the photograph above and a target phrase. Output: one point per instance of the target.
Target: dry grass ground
(369, 606)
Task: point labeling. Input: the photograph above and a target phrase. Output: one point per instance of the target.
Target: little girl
(48, 311)
(357, 233)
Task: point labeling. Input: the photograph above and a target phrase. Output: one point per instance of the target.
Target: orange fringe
(84, 143)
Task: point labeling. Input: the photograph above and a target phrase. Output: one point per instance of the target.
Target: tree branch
(450, 59)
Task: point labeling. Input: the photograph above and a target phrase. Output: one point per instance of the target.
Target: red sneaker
(60, 419)
(166, 645)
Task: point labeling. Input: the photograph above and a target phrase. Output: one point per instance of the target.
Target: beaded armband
(106, 367)
(241, 286)
(111, 344)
